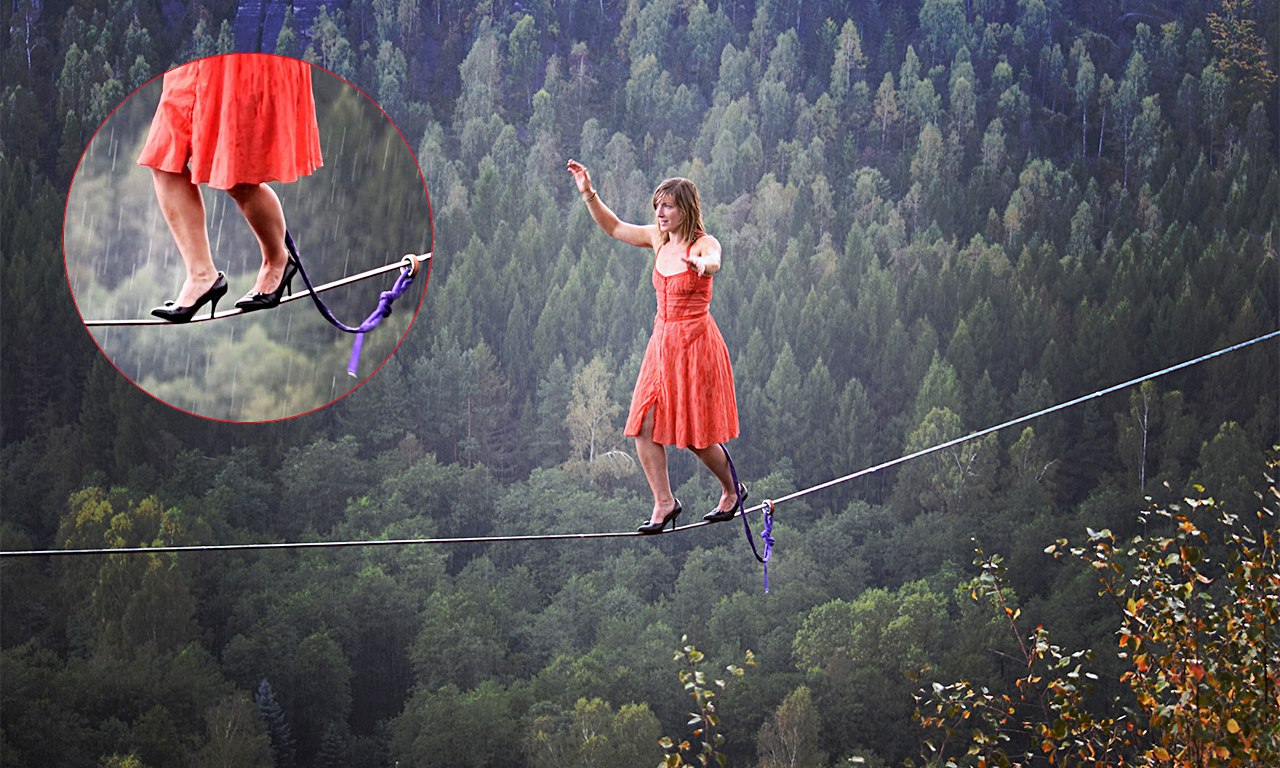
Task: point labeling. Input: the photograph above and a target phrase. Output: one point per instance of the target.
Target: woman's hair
(684, 194)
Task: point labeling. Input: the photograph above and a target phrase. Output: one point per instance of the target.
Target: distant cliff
(258, 22)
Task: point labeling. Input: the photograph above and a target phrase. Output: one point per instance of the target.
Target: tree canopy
(935, 216)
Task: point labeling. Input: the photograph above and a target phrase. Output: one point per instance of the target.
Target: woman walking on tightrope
(684, 394)
(233, 122)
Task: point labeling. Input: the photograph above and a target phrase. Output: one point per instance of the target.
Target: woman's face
(669, 216)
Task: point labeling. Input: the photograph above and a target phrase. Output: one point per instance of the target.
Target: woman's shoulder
(704, 243)
(654, 235)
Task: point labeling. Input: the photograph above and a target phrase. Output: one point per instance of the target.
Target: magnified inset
(247, 238)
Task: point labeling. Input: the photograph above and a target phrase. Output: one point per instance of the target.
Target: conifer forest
(936, 216)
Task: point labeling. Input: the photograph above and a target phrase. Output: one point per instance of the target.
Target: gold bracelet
(593, 197)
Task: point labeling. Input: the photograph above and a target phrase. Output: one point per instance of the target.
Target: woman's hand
(703, 264)
(704, 257)
(581, 178)
(606, 219)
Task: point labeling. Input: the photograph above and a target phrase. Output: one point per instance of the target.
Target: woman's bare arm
(606, 219)
(704, 257)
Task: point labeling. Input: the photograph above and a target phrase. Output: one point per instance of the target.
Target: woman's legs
(183, 210)
(261, 208)
(653, 459)
(718, 462)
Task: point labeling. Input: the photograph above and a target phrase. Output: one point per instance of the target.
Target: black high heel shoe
(670, 517)
(718, 515)
(254, 300)
(178, 314)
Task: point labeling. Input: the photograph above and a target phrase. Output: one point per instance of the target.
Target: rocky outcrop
(258, 22)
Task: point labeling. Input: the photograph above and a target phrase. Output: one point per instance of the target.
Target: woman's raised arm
(607, 220)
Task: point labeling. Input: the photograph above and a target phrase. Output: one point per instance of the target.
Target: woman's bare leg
(653, 459)
(183, 210)
(261, 208)
(718, 462)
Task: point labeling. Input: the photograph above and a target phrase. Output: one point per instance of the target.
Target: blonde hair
(684, 194)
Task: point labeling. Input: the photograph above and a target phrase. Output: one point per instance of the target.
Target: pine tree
(283, 748)
(332, 748)
(1244, 56)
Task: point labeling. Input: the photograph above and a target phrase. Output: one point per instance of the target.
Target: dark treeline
(936, 216)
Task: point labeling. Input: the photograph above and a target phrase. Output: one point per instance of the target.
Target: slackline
(408, 262)
(623, 534)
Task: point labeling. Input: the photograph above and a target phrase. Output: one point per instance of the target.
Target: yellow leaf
(1233, 726)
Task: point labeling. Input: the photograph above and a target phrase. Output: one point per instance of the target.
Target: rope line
(1021, 419)
(383, 310)
(384, 303)
(623, 534)
(406, 262)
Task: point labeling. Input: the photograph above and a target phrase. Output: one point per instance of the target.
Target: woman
(233, 122)
(684, 394)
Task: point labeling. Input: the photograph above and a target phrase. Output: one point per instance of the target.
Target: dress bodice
(682, 296)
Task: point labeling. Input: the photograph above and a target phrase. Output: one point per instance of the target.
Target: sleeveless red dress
(240, 118)
(685, 376)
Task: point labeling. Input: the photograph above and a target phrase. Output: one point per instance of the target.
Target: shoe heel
(290, 271)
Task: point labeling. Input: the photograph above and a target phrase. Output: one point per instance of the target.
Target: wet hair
(684, 194)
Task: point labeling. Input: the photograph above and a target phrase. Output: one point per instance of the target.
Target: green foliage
(121, 761)
(950, 480)
(450, 727)
(593, 436)
(790, 738)
(988, 209)
(1198, 642)
(592, 735)
(704, 719)
(236, 737)
(130, 602)
(1244, 56)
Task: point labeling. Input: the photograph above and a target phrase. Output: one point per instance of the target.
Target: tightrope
(409, 261)
(1021, 419)
(625, 534)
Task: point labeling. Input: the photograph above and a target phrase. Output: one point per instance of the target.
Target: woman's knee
(244, 194)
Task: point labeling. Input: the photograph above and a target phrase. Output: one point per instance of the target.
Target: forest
(937, 215)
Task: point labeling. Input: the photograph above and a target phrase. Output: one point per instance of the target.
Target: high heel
(670, 517)
(718, 515)
(178, 314)
(255, 300)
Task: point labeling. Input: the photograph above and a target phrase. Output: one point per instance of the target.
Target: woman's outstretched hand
(580, 177)
(696, 263)
(707, 262)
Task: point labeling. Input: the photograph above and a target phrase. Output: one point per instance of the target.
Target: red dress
(240, 118)
(685, 376)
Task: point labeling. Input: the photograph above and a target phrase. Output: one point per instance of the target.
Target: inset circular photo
(247, 237)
